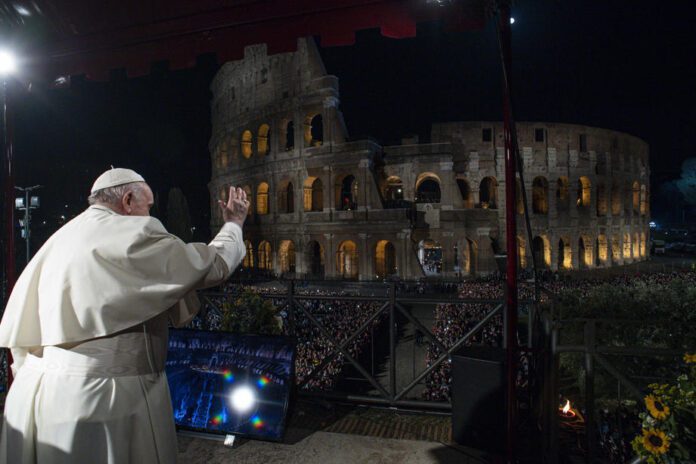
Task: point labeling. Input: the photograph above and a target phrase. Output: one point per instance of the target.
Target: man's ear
(127, 201)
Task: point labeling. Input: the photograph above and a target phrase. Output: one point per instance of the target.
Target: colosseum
(327, 206)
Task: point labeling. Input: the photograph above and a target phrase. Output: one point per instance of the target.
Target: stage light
(512, 20)
(8, 63)
(243, 399)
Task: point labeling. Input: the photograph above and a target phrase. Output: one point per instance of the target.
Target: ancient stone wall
(327, 207)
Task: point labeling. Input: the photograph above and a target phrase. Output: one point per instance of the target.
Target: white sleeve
(229, 243)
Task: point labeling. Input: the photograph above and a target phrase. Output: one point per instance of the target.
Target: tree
(178, 216)
(687, 183)
(251, 314)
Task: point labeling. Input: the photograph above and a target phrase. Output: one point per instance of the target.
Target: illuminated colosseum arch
(636, 245)
(265, 256)
(248, 261)
(627, 246)
(466, 193)
(314, 130)
(347, 263)
(519, 200)
(246, 144)
(430, 257)
(584, 192)
(488, 193)
(542, 251)
(262, 198)
(286, 256)
(469, 260)
(385, 259)
(616, 198)
(286, 197)
(540, 195)
(602, 247)
(521, 252)
(263, 139)
(428, 188)
(562, 194)
(601, 200)
(313, 194)
(289, 136)
(585, 252)
(393, 189)
(615, 249)
(643, 200)
(643, 245)
(315, 258)
(565, 254)
(635, 191)
(346, 192)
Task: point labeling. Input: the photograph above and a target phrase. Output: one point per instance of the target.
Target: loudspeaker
(478, 398)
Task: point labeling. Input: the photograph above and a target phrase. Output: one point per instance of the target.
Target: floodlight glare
(512, 20)
(243, 399)
(8, 63)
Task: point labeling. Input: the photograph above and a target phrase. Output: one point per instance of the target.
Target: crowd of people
(454, 320)
(339, 319)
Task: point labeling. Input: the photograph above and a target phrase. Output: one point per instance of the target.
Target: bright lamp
(8, 63)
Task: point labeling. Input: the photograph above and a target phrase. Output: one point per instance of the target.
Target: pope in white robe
(87, 326)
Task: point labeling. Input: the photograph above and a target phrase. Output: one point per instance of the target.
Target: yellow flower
(655, 441)
(690, 358)
(656, 407)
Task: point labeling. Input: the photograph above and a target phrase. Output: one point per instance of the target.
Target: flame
(566, 408)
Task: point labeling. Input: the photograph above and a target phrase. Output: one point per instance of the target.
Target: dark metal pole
(590, 342)
(392, 341)
(27, 218)
(8, 174)
(510, 231)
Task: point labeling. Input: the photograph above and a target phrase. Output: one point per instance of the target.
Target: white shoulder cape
(99, 274)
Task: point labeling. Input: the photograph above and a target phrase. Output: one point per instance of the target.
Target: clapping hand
(236, 208)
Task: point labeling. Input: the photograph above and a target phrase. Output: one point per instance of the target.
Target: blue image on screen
(229, 383)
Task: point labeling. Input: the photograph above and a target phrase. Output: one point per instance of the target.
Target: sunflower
(656, 407)
(655, 441)
(690, 358)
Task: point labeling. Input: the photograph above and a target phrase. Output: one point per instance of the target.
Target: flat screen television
(226, 383)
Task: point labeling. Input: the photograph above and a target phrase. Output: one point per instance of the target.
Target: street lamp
(8, 63)
(8, 66)
(26, 204)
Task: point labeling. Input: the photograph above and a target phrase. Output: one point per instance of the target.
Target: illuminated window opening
(246, 147)
(263, 140)
(262, 198)
(347, 260)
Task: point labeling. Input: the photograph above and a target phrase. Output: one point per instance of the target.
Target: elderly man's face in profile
(138, 203)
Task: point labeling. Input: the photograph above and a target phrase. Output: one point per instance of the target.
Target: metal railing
(392, 305)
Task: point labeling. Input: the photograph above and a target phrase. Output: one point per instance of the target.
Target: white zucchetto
(114, 177)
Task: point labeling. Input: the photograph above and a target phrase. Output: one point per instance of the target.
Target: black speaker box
(478, 398)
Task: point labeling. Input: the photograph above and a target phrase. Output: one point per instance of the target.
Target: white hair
(112, 196)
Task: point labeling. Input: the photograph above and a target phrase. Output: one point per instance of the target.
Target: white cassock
(87, 326)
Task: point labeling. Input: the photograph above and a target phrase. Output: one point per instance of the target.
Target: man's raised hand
(237, 206)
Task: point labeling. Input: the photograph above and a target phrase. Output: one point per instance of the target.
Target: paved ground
(327, 433)
(323, 448)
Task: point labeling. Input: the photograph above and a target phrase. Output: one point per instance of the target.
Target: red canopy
(68, 37)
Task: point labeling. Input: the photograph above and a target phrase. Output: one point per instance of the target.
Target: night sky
(628, 66)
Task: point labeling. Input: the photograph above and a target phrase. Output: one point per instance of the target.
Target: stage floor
(327, 433)
(322, 448)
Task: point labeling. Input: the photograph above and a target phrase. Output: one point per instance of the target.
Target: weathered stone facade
(326, 206)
